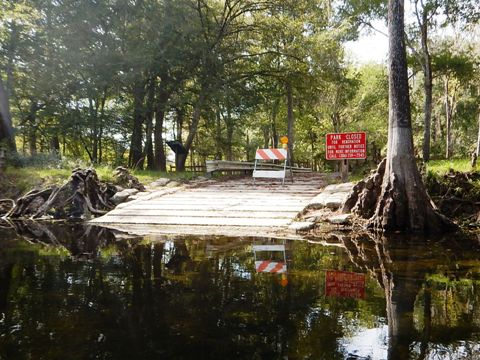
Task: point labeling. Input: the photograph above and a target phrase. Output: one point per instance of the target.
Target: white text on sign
(343, 146)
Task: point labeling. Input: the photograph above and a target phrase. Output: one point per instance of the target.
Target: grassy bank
(441, 167)
(17, 181)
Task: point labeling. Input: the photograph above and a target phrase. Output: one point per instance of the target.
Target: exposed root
(82, 196)
(390, 205)
(6, 205)
(127, 180)
(363, 198)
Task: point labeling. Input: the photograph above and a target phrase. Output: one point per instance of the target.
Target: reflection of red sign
(342, 146)
(345, 284)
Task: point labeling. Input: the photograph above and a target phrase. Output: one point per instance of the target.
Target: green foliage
(441, 167)
(109, 82)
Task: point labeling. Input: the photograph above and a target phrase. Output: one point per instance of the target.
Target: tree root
(362, 199)
(80, 197)
(392, 205)
(127, 180)
(6, 205)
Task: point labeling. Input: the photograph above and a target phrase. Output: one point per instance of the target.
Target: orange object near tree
(284, 140)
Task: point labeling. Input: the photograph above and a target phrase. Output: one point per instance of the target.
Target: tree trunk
(138, 119)
(93, 109)
(428, 88)
(290, 122)
(179, 138)
(32, 128)
(477, 152)
(162, 100)
(229, 124)
(6, 129)
(403, 204)
(193, 126)
(266, 136)
(55, 145)
(149, 125)
(448, 122)
(218, 134)
(274, 124)
(101, 125)
(436, 130)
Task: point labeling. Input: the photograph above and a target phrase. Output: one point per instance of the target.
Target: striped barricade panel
(271, 154)
(268, 266)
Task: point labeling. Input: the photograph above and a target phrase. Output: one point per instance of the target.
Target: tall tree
(456, 69)
(424, 12)
(6, 130)
(403, 203)
(427, 18)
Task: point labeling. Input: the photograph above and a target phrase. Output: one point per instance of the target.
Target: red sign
(345, 284)
(344, 146)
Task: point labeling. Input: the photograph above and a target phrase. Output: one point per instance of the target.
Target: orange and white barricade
(270, 154)
(270, 266)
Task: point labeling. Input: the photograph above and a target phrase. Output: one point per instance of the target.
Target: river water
(75, 292)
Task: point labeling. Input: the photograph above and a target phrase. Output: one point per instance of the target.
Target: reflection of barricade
(275, 266)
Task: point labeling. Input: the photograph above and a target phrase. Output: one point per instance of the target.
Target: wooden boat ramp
(234, 207)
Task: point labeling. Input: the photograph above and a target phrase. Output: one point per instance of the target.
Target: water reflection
(430, 291)
(74, 292)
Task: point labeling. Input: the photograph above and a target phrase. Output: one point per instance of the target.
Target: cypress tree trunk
(403, 203)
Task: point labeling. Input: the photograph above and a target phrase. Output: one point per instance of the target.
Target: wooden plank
(226, 202)
(261, 191)
(242, 195)
(172, 220)
(239, 207)
(193, 213)
(272, 191)
(162, 232)
(230, 207)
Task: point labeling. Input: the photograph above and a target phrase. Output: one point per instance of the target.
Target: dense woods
(111, 81)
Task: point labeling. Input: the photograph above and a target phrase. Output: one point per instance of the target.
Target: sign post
(344, 147)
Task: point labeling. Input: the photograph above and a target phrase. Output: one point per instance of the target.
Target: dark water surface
(73, 292)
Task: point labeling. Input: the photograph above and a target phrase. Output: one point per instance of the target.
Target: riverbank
(453, 187)
(452, 184)
(14, 182)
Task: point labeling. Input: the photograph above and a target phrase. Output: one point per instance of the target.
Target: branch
(367, 23)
